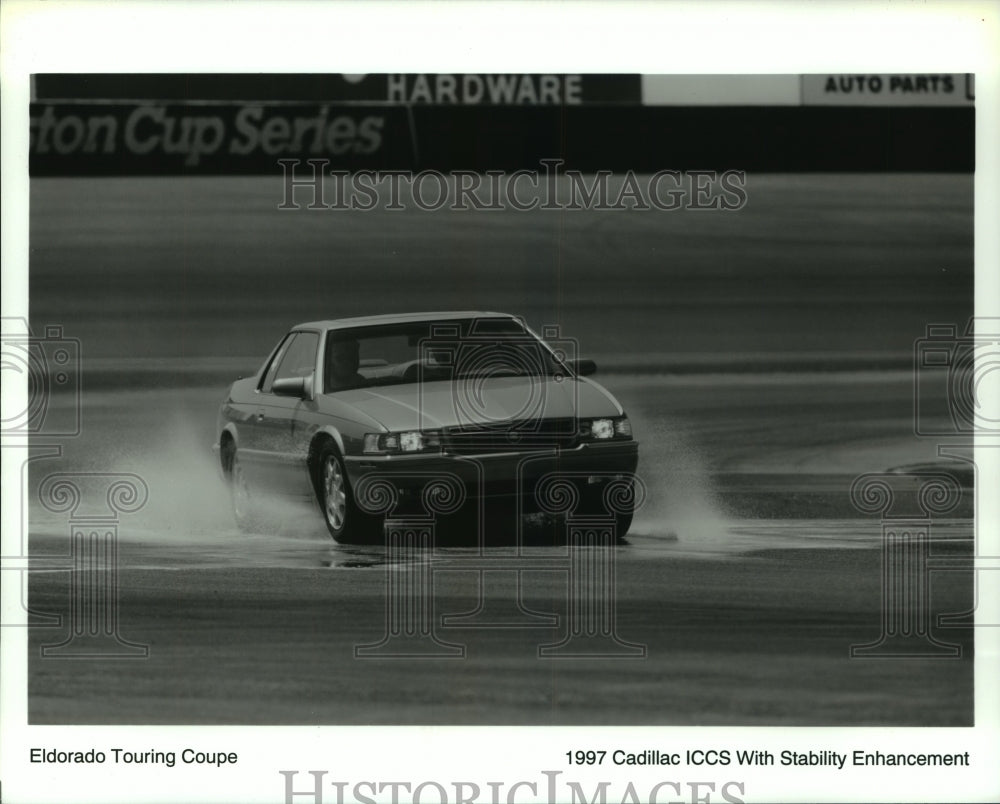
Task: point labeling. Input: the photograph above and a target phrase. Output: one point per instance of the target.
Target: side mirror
(300, 387)
(582, 366)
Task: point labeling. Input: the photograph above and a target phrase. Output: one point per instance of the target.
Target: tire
(245, 511)
(622, 524)
(593, 503)
(346, 523)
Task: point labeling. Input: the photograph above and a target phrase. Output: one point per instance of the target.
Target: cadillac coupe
(418, 414)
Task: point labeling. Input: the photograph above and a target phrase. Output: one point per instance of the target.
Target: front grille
(515, 436)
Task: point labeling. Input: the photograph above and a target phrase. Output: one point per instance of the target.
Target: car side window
(272, 366)
(298, 359)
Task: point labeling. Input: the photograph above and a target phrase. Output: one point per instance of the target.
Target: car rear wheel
(346, 523)
(244, 510)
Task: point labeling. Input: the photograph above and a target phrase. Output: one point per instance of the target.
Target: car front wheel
(346, 523)
(595, 504)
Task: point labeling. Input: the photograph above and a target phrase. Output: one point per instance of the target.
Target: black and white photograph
(603, 430)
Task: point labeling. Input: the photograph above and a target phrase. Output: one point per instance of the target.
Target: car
(428, 410)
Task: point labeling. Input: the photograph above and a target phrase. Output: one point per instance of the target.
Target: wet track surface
(746, 578)
(761, 638)
(739, 606)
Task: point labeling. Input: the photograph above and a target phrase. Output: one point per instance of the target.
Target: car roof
(397, 318)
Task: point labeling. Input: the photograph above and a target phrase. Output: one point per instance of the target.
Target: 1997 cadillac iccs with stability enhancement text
(473, 405)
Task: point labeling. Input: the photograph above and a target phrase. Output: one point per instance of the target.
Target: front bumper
(506, 476)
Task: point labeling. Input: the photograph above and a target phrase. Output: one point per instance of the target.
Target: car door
(246, 410)
(281, 445)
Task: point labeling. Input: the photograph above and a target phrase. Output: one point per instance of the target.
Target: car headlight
(406, 441)
(605, 429)
(602, 428)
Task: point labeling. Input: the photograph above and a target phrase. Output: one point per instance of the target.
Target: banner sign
(514, 89)
(504, 89)
(721, 90)
(929, 89)
(251, 138)
(159, 138)
(511, 89)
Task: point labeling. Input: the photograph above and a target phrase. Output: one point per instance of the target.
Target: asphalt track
(763, 355)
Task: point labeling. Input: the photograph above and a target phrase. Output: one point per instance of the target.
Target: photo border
(428, 37)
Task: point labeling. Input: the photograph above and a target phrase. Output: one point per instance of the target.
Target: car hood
(488, 401)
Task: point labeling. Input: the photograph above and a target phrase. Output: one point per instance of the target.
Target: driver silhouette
(342, 364)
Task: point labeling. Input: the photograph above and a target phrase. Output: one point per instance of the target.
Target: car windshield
(434, 351)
